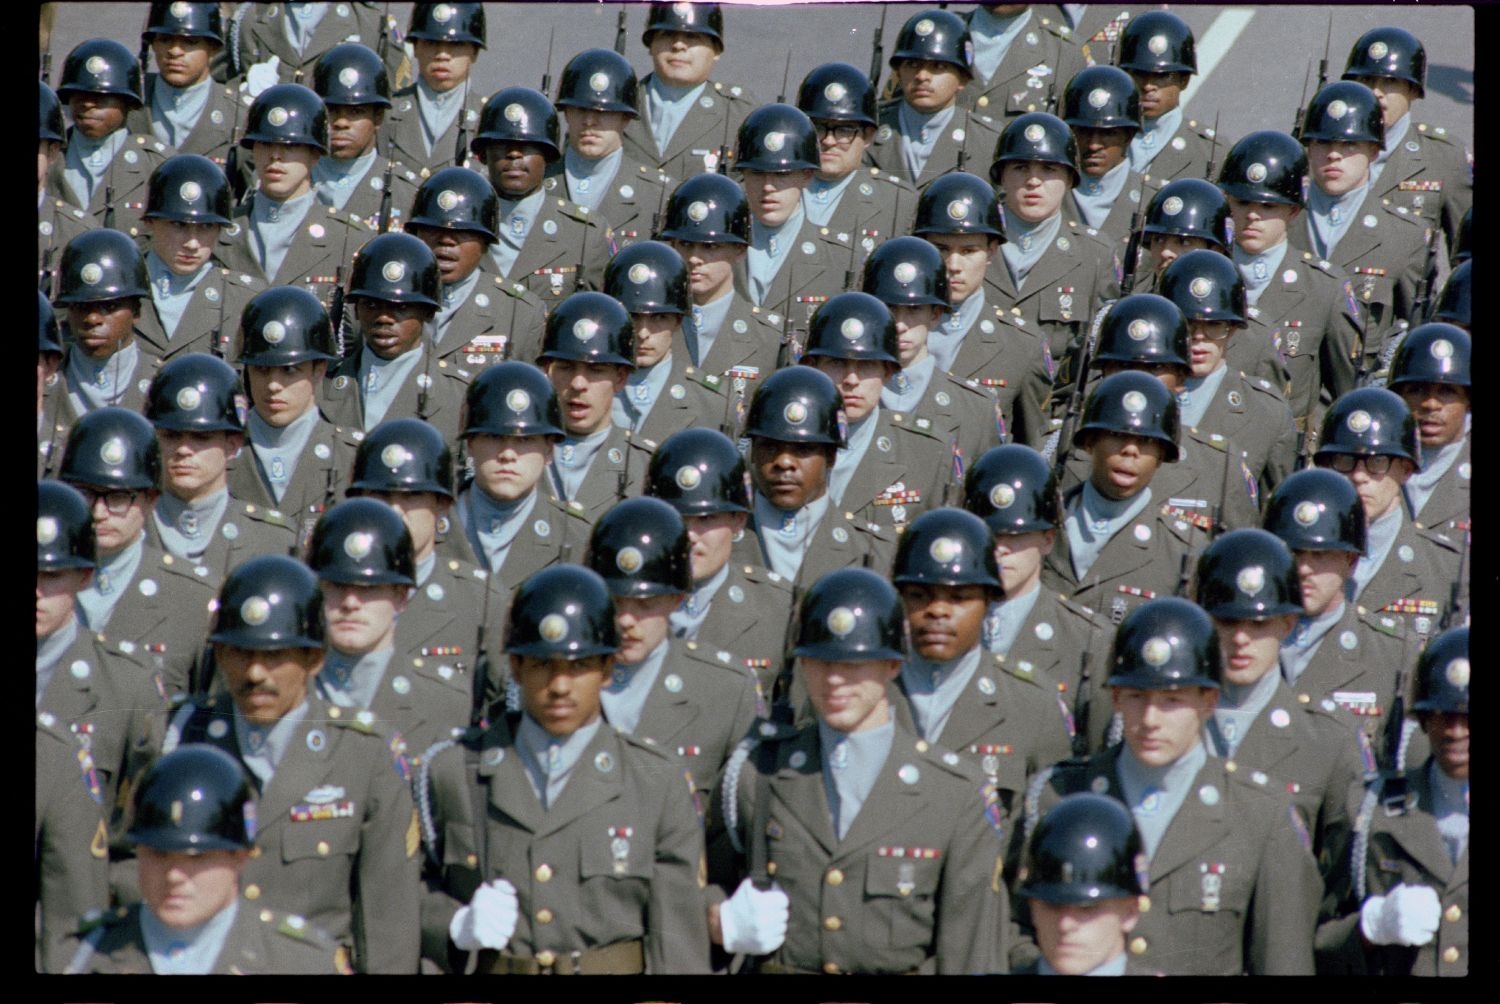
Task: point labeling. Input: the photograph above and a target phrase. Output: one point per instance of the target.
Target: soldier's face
(710, 267)
(790, 475)
(1251, 648)
(774, 197)
(103, 327)
(712, 539)
(1379, 493)
(1164, 249)
(182, 60)
(267, 683)
(1448, 736)
(193, 463)
(858, 380)
(285, 171)
(559, 695)
(391, 329)
(913, 322)
(508, 467)
(458, 252)
(643, 623)
(1439, 408)
(282, 394)
(1172, 376)
(362, 619)
(114, 532)
(185, 247)
(1101, 150)
(1020, 556)
(1078, 937)
(1160, 92)
(946, 621)
(1122, 464)
(1034, 189)
(850, 696)
(96, 115)
(1395, 96)
(594, 133)
(682, 59)
(836, 156)
(965, 257)
(1260, 225)
(1207, 341)
(653, 337)
(187, 889)
(1162, 725)
(1322, 575)
(352, 129)
(420, 511)
(1339, 166)
(929, 85)
(54, 597)
(444, 64)
(516, 169)
(585, 391)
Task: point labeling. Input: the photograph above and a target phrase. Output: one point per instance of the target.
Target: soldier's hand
(489, 920)
(1408, 915)
(262, 75)
(754, 922)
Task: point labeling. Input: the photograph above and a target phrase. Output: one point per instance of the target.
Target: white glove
(1408, 915)
(489, 920)
(262, 75)
(754, 922)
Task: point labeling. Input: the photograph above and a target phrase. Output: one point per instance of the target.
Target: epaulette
(361, 721)
(1022, 670)
(1263, 385)
(1213, 439)
(892, 178)
(1058, 29)
(734, 91)
(712, 381)
(719, 658)
(648, 744)
(914, 427)
(1087, 613)
(1439, 538)
(1321, 264)
(574, 211)
(1433, 132)
(944, 759)
(573, 509)
(291, 925)
(1389, 626)
(272, 516)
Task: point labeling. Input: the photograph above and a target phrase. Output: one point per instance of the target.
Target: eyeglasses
(1345, 464)
(117, 502)
(1217, 335)
(844, 132)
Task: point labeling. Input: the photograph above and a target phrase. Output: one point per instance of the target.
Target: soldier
(49, 356)
(959, 215)
(584, 861)
(139, 594)
(796, 427)
(1103, 109)
(194, 826)
(354, 178)
(1303, 305)
(934, 62)
(1198, 220)
(1019, 57)
(107, 164)
(597, 94)
(517, 140)
(184, 107)
(855, 800)
(433, 114)
(1427, 172)
(72, 847)
(1228, 854)
(736, 603)
(283, 44)
(57, 221)
(665, 393)
(588, 352)
(1431, 373)
(907, 275)
(457, 214)
(337, 833)
(1453, 304)
(392, 372)
(1157, 50)
(192, 402)
(1130, 428)
(688, 118)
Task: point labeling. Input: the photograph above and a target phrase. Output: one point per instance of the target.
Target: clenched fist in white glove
(262, 75)
(754, 922)
(1407, 915)
(489, 920)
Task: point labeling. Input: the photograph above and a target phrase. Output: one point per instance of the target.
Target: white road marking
(1215, 44)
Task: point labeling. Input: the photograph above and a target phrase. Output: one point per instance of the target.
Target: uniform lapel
(506, 777)
(666, 714)
(544, 250)
(800, 794)
(890, 801)
(877, 469)
(1265, 744)
(974, 713)
(1197, 825)
(301, 767)
(589, 786)
(1417, 833)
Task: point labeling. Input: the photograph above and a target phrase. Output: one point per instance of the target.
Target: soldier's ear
(1049, 541)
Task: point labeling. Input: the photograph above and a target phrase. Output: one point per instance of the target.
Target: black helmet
(1463, 252)
(188, 188)
(958, 203)
(1248, 575)
(1317, 510)
(1433, 353)
(46, 326)
(402, 455)
(101, 66)
(798, 404)
(837, 92)
(396, 268)
(1164, 644)
(777, 138)
(937, 36)
(1453, 305)
(640, 548)
(708, 209)
(1085, 849)
(1102, 97)
(1206, 286)
(851, 615)
(185, 20)
(1369, 421)
(289, 114)
(1012, 488)
(1344, 111)
(1442, 682)
(693, 18)
(362, 542)
(352, 74)
(448, 22)
(1190, 207)
(946, 547)
(574, 328)
(518, 115)
(1157, 42)
(562, 612)
(1144, 328)
(1389, 52)
(648, 277)
(853, 326)
(906, 271)
(1036, 136)
(102, 265)
(699, 472)
(112, 448)
(195, 798)
(64, 528)
(284, 326)
(268, 602)
(195, 393)
(1135, 403)
(49, 114)
(457, 198)
(1265, 166)
(600, 79)
(512, 399)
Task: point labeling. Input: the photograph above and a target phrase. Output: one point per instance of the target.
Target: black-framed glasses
(118, 501)
(844, 132)
(1345, 463)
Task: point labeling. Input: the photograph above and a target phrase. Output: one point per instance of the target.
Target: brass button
(922, 746)
(1453, 914)
(252, 891)
(1143, 903)
(544, 873)
(544, 916)
(546, 958)
(1230, 766)
(833, 923)
(323, 848)
(1138, 946)
(1450, 954)
(255, 852)
(831, 968)
(1304, 698)
(835, 877)
(472, 860)
(266, 916)
(770, 868)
